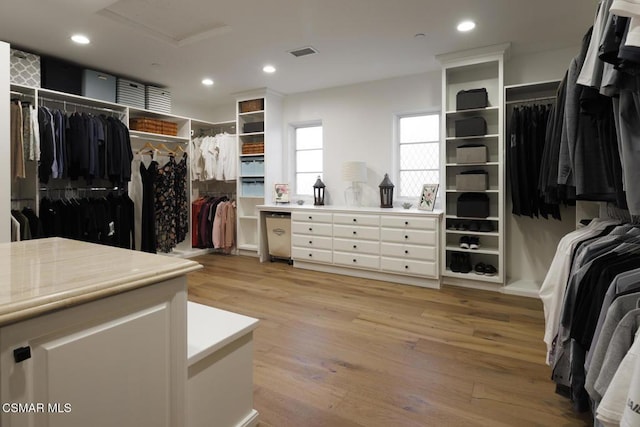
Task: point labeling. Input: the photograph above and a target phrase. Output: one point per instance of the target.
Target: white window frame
(396, 154)
(293, 127)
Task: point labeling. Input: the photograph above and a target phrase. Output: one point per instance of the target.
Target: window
(308, 155)
(419, 152)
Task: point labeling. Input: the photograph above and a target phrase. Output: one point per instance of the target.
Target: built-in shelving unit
(28, 191)
(480, 68)
(258, 115)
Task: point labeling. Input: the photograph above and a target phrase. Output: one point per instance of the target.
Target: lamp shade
(354, 171)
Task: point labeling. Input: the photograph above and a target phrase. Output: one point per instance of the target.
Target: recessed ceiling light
(465, 26)
(269, 69)
(207, 82)
(80, 39)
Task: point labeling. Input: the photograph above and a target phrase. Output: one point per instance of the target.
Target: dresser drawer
(356, 246)
(356, 232)
(356, 219)
(309, 228)
(411, 267)
(356, 260)
(311, 255)
(422, 253)
(409, 222)
(311, 216)
(408, 236)
(312, 242)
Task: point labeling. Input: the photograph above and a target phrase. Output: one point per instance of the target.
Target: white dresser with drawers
(395, 245)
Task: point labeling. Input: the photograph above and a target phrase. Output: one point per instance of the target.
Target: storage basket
(251, 105)
(24, 68)
(252, 187)
(169, 128)
(99, 85)
(253, 127)
(472, 99)
(130, 93)
(144, 124)
(473, 126)
(471, 153)
(253, 148)
(475, 180)
(252, 167)
(158, 99)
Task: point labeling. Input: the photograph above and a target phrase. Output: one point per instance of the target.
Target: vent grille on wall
(304, 51)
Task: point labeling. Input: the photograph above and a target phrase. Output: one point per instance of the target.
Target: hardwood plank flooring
(338, 351)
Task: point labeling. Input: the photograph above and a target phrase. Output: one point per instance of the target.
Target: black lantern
(386, 192)
(318, 192)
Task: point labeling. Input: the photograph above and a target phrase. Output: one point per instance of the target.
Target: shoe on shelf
(480, 268)
(486, 227)
(474, 226)
(474, 242)
(465, 263)
(464, 242)
(455, 262)
(464, 226)
(490, 270)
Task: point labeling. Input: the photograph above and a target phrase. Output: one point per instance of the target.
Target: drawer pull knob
(406, 223)
(310, 229)
(406, 237)
(310, 242)
(355, 260)
(354, 233)
(310, 255)
(355, 246)
(406, 267)
(21, 354)
(406, 252)
(355, 220)
(310, 217)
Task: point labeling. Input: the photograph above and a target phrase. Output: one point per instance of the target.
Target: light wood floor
(339, 351)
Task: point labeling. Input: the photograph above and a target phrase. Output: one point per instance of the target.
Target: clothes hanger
(166, 149)
(148, 146)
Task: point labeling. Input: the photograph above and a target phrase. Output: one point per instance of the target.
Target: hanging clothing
(165, 206)
(148, 239)
(17, 141)
(527, 133)
(182, 199)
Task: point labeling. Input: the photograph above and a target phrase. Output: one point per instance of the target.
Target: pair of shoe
(469, 242)
(485, 269)
(460, 262)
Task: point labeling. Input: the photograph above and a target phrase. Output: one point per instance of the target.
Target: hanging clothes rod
(83, 189)
(23, 199)
(13, 92)
(528, 100)
(90, 107)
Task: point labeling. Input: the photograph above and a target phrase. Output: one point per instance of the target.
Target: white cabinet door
(119, 361)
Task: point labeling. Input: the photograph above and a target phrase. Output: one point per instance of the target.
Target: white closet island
(397, 245)
(91, 335)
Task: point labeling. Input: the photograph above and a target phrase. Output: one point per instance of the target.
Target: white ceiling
(176, 43)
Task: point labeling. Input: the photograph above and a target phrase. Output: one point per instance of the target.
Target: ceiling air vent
(303, 51)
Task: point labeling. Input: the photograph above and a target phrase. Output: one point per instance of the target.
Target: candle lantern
(318, 192)
(386, 192)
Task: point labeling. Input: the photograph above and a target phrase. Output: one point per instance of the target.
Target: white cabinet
(477, 69)
(117, 361)
(394, 245)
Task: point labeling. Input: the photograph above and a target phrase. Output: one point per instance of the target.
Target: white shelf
(466, 138)
(473, 276)
(472, 111)
(453, 165)
(157, 137)
(251, 176)
(251, 134)
(473, 191)
(473, 233)
(490, 218)
(523, 288)
(481, 250)
(251, 113)
(248, 217)
(251, 197)
(248, 247)
(252, 155)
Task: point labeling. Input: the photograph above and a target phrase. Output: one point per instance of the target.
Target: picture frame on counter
(428, 197)
(281, 193)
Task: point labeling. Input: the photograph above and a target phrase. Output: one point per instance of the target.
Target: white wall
(358, 124)
(5, 156)
(540, 66)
